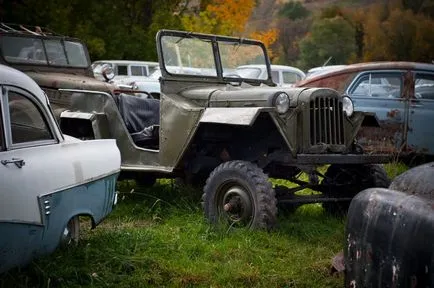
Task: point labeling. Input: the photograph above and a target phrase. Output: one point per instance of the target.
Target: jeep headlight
(281, 102)
(347, 106)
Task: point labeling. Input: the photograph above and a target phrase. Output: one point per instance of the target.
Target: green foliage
(294, 10)
(331, 37)
(401, 36)
(111, 28)
(331, 12)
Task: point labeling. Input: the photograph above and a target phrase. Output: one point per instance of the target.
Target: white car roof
(275, 67)
(13, 77)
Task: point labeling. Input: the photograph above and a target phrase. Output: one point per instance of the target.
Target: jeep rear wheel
(239, 194)
(350, 180)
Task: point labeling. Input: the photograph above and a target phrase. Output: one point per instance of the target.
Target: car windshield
(37, 51)
(195, 56)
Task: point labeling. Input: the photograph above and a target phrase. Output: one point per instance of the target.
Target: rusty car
(401, 94)
(48, 180)
(231, 133)
(53, 61)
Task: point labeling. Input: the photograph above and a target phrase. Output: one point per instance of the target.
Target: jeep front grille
(326, 121)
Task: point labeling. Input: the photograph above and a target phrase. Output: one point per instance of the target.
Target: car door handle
(18, 162)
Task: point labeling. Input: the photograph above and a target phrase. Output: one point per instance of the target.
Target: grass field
(159, 238)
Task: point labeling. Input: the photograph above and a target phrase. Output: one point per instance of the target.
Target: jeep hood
(69, 81)
(251, 96)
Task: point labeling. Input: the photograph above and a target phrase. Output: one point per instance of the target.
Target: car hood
(247, 96)
(69, 81)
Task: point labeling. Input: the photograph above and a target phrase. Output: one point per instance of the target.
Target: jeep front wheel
(239, 194)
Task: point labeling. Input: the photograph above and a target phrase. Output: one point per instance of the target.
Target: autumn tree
(293, 24)
(402, 36)
(330, 37)
(293, 10)
(227, 17)
(220, 17)
(290, 34)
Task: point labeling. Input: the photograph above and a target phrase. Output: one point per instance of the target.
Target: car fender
(246, 116)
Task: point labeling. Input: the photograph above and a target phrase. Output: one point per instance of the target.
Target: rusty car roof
(381, 65)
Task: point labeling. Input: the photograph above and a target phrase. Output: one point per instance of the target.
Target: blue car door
(380, 92)
(421, 117)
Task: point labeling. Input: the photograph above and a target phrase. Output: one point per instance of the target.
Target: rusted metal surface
(360, 67)
(403, 128)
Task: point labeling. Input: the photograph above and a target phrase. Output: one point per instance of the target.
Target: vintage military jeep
(53, 61)
(234, 132)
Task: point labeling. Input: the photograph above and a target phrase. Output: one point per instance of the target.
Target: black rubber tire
(248, 179)
(357, 178)
(416, 181)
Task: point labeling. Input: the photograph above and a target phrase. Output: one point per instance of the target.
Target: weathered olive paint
(183, 103)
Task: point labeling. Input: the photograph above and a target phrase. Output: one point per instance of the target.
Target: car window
(275, 77)
(122, 70)
(138, 71)
(424, 86)
(152, 69)
(290, 77)
(27, 122)
(384, 85)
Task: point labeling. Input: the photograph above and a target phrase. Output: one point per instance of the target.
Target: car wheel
(417, 181)
(71, 232)
(239, 194)
(350, 180)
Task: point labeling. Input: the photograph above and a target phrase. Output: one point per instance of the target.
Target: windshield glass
(195, 56)
(53, 52)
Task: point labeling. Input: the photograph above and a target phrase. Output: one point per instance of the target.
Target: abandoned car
(231, 133)
(53, 61)
(48, 180)
(401, 94)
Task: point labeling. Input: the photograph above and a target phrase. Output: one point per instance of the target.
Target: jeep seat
(142, 119)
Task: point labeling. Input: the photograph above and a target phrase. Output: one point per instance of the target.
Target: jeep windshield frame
(187, 56)
(45, 51)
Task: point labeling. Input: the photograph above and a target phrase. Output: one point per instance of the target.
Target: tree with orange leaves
(227, 17)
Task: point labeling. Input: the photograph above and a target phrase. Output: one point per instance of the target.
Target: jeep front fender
(246, 116)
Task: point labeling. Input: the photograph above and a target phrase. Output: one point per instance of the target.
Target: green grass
(158, 238)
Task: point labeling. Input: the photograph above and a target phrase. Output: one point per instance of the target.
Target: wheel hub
(237, 204)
